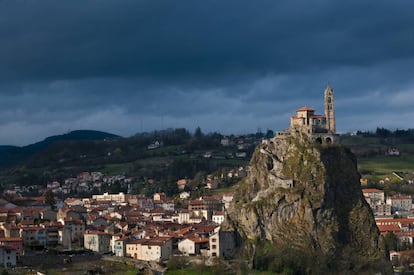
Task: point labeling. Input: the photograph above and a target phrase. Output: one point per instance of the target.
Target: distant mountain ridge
(11, 155)
(7, 147)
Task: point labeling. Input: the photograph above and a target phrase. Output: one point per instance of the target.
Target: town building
(400, 203)
(34, 235)
(155, 249)
(222, 244)
(8, 256)
(120, 246)
(209, 203)
(15, 243)
(72, 230)
(373, 195)
(376, 200)
(192, 246)
(119, 198)
(97, 241)
(218, 217)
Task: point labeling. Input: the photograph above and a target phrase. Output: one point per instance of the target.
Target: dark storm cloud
(230, 66)
(82, 39)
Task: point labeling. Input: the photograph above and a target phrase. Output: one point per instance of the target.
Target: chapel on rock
(321, 128)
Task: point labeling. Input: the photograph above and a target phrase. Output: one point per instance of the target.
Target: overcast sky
(227, 66)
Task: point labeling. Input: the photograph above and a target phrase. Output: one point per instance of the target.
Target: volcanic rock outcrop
(301, 208)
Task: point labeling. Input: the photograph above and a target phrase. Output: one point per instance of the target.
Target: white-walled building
(218, 217)
(156, 249)
(376, 200)
(97, 241)
(193, 245)
(374, 196)
(120, 198)
(400, 203)
(8, 256)
(222, 244)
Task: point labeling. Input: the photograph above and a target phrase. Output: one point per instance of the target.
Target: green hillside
(179, 155)
(374, 162)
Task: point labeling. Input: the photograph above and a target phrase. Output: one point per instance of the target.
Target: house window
(214, 246)
(214, 240)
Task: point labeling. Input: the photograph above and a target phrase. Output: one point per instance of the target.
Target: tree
(391, 241)
(198, 134)
(50, 199)
(383, 133)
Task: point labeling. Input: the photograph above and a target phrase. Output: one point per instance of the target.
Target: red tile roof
(305, 108)
(389, 228)
(198, 240)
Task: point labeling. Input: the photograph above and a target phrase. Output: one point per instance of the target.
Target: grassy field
(221, 191)
(213, 271)
(381, 164)
(359, 140)
(78, 266)
(387, 164)
(116, 169)
(407, 148)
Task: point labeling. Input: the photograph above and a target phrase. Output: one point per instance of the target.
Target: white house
(156, 249)
(374, 196)
(218, 217)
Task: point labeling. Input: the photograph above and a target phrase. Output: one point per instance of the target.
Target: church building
(320, 127)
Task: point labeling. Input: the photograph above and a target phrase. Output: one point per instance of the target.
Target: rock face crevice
(306, 197)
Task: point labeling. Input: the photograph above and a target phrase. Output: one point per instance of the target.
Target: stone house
(97, 241)
(156, 249)
(193, 245)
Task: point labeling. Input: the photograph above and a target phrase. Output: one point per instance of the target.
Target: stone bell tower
(330, 110)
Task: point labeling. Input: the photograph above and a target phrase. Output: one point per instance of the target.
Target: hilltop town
(82, 214)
